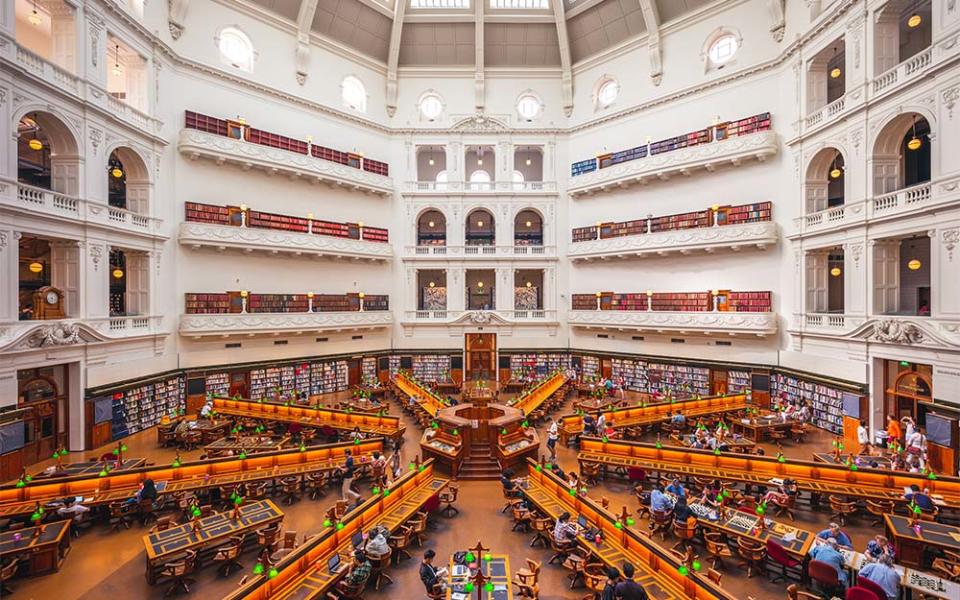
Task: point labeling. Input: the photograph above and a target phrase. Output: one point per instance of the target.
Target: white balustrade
(902, 72)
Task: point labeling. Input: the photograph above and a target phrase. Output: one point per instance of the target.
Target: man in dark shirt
(345, 492)
(921, 499)
(429, 574)
(628, 589)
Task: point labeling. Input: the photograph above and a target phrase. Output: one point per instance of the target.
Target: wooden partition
(651, 413)
(531, 400)
(816, 477)
(657, 568)
(430, 401)
(188, 476)
(303, 573)
(386, 426)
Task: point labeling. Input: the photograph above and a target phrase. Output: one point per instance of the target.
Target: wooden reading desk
(389, 427)
(814, 477)
(756, 428)
(883, 462)
(657, 569)
(496, 570)
(89, 468)
(250, 444)
(303, 574)
(188, 477)
(163, 546)
(429, 401)
(44, 553)
(531, 400)
(741, 524)
(910, 544)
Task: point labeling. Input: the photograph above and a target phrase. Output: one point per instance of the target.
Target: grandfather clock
(48, 303)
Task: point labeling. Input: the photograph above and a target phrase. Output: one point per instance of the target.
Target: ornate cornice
(732, 151)
(732, 323)
(25, 336)
(274, 241)
(198, 144)
(280, 323)
(920, 332)
(684, 241)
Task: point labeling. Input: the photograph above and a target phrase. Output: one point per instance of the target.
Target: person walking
(553, 434)
(346, 493)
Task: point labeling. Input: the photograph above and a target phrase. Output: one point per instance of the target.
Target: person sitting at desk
(573, 482)
(676, 488)
(834, 531)
(828, 553)
(359, 572)
(659, 501)
(803, 415)
(883, 574)
(430, 575)
(921, 499)
(879, 547)
(564, 531)
(682, 512)
(589, 425)
(711, 442)
(628, 589)
(356, 434)
(678, 419)
(182, 427)
(510, 487)
(601, 422)
(207, 409)
(783, 493)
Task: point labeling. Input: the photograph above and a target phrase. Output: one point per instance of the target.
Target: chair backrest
(862, 593)
(10, 569)
(290, 539)
(714, 575)
(823, 572)
(432, 503)
(873, 587)
(776, 552)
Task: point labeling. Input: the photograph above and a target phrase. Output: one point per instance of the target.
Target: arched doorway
(910, 388)
(47, 154)
(128, 182)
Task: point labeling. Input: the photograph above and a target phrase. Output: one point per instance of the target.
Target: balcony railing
(481, 316)
(728, 323)
(460, 187)
(826, 113)
(129, 113)
(480, 251)
(30, 335)
(82, 211)
(904, 71)
(906, 198)
(46, 70)
(825, 320)
(224, 325)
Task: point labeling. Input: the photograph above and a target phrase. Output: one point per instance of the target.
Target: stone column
(9, 274)
(95, 282)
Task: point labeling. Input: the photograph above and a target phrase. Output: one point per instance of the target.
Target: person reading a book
(430, 575)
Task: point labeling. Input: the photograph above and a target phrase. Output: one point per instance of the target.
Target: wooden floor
(104, 564)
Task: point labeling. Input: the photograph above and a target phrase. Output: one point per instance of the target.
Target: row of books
(368, 370)
(590, 367)
(726, 301)
(738, 381)
(826, 402)
(217, 384)
(525, 367)
(725, 215)
(431, 367)
(142, 407)
(231, 215)
(240, 130)
(672, 381)
(720, 131)
(232, 302)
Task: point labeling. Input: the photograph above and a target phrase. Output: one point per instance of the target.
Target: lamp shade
(835, 73)
(914, 143)
(835, 173)
(35, 144)
(117, 273)
(35, 267)
(914, 20)
(835, 271)
(914, 264)
(117, 172)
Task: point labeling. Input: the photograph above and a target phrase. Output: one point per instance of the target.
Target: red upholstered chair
(789, 567)
(824, 576)
(862, 593)
(863, 582)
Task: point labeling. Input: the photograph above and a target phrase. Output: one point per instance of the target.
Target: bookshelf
(368, 370)
(394, 365)
(738, 381)
(231, 302)
(206, 213)
(749, 301)
(431, 367)
(238, 130)
(679, 381)
(218, 384)
(231, 215)
(202, 304)
(725, 215)
(826, 402)
(721, 131)
(278, 303)
(678, 301)
(141, 407)
(727, 301)
(525, 367)
(590, 366)
(376, 234)
(633, 372)
(264, 383)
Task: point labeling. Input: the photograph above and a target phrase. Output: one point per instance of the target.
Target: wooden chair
(660, 522)
(286, 546)
(163, 524)
(121, 513)
(785, 506)
(714, 576)
(191, 439)
(257, 491)
(529, 575)
(167, 437)
(448, 497)
(349, 591)
(799, 432)
(379, 571)
(842, 508)
(751, 554)
(290, 489)
(512, 498)
(521, 519)
(717, 547)
(227, 556)
(180, 571)
(315, 484)
(795, 593)
(268, 537)
(684, 532)
(590, 472)
(948, 569)
(340, 508)
(560, 550)
(594, 580)
(776, 436)
(418, 528)
(6, 574)
(542, 531)
(399, 542)
(148, 510)
(878, 508)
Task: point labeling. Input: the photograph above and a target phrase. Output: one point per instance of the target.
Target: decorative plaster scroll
(950, 239)
(897, 332)
(950, 97)
(779, 18)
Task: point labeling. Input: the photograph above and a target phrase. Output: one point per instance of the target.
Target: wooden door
(481, 352)
(353, 371)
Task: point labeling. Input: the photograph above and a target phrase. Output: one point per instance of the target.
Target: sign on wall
(946, 384)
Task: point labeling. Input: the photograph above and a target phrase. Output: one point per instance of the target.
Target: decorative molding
(732, 151)
(924, 332)
(779, 18)
(197, 144)
(950, 239)
(96, 137)
(732, 323)
(250, 239)
(684, 241)
(24, 336)
(96, 255)
(950, 97)
(481, 123)
(223, 325)
(896, 332)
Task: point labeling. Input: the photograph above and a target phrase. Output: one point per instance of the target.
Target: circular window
(723, 48)
(431, 106)
(608, 92)
(354, 94)
(235, 48)
(528, 106)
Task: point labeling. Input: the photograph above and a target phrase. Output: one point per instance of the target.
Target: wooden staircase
(480, 465)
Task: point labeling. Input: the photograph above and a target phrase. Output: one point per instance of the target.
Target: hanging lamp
(915, 142)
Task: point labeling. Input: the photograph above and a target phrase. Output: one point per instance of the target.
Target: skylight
(439, 3)
(519, 4)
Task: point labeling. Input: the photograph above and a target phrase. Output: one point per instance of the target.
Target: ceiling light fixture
(835, 271)
(35, 267)
(430, 162)
(117, 69)
(835, 72)
(915, 142)
(432, 284)
(430, 224)
(479, 223)
(529, 223)
(34, 17)
(529, 284)
(835, 171)
(117, 172)
(914, 20)
(914, 264)
(117, 273)
(480, 161)
(35, 144)
(529, 162)
(480, 284)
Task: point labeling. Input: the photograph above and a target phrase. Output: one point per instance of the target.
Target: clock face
(52, 297)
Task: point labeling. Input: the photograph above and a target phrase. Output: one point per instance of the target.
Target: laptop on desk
(357, 540)
(589, 531)
(335, 565)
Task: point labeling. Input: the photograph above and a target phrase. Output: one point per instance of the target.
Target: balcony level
(24, 336)
(28, 199)
(479, 252)
(927, 332)
(456, 322)
(491, 188)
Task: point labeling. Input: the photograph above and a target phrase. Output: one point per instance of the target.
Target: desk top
(310, 417)
(250, 442)
(931, 532)
(747, 525)
(497, 572)
(90, 467)
(162, 544)
(15, 542)
(862, 461)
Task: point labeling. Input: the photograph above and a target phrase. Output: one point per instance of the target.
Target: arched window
(479, 176)
(354, 94)
(431, 106)
(236, 49)
(517, 177)
(607, 91)
(442, 177)
(529, 106)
